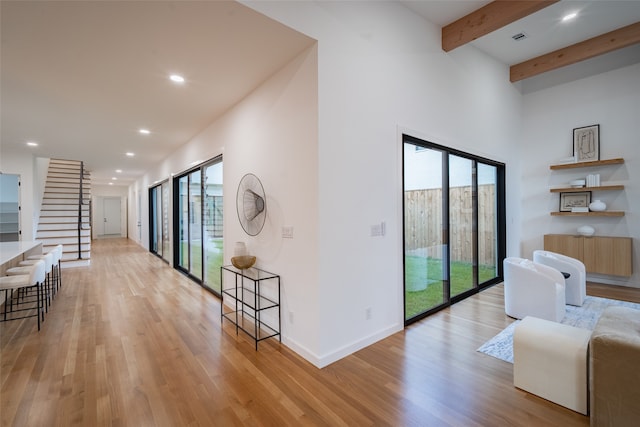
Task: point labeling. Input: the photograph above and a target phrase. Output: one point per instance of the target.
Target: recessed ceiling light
(130, 154)
(111, 183)
(176, 78)
(32, 144)
(113, 178)
(118, 170)
(569, 16)
(144, 131)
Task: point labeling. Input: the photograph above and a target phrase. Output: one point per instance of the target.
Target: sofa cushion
(615, 368)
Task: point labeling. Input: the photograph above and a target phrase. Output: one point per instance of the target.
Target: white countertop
(10, 250)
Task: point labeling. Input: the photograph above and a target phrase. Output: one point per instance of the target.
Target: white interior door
(111, 214)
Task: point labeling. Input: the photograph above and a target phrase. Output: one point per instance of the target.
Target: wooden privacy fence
(423, 223)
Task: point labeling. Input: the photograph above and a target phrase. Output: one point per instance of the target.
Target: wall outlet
(291, 317)
(379, 229)
(367, 313)
(287, 232)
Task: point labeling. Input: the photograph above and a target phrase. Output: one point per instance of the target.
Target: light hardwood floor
(131, 342)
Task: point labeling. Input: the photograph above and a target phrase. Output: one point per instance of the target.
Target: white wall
(272, 134)
(611, 100)
(381, 71)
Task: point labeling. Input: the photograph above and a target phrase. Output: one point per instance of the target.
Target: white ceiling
(81, 77)
(544, 29)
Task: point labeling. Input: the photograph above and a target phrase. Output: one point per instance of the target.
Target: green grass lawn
(214, 258)
(419, 270)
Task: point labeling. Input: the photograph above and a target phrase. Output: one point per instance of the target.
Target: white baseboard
(78, 263)
(334, 356)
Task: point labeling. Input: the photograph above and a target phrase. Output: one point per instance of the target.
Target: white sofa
(532, 289)
(576, 283)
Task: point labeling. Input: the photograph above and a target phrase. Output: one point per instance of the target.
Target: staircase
(65, 215)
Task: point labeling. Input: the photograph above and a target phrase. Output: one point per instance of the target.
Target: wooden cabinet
(616, 187)
(600, 254)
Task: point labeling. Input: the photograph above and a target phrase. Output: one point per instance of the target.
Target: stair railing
(80, 211)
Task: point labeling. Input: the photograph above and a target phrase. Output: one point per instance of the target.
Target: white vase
(597, 206)
(586, 230)
(240, 249)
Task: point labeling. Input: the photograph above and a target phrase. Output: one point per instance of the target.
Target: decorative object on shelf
(597, 206)
(243, 262)
(240, 249)
(586, 230)
(577, 183)
(593, 180)
(571, 159)
(574, 200)
(251, 204)
(586, 143)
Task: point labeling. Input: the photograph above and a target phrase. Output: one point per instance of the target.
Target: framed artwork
(574, 200)
(586, 143)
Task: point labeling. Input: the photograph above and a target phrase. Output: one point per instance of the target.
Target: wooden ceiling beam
(488, 18)
(616, 39)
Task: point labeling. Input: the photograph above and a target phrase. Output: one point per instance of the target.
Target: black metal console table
(255, 294)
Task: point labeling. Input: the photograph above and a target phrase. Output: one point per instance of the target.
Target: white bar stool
(57, 252)
(25, 268)
(22, 282)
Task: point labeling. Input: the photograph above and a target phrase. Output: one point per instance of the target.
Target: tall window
(198, 240)
(454, 228)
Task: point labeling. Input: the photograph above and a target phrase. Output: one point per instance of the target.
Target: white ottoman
(550, 360)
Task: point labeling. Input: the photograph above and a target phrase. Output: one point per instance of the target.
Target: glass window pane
(461, 219)
(487, 223)
(183, 220)
(154, 220)
(195, 224)
(213, 239)
(424, 250)
(165, 220)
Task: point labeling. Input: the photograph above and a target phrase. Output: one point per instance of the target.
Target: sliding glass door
(453, 225)
(198, 227)
(159, 220)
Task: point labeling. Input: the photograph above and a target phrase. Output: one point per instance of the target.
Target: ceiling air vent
(519, 36)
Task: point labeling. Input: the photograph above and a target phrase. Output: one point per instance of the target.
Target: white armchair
(576, 283)
(532, 289)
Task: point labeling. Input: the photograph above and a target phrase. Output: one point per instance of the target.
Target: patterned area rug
(501, 346)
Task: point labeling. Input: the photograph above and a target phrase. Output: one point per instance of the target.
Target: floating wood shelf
(580, 189)
(603, 213)
(618, 161)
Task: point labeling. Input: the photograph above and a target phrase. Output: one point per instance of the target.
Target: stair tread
(64, 202)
